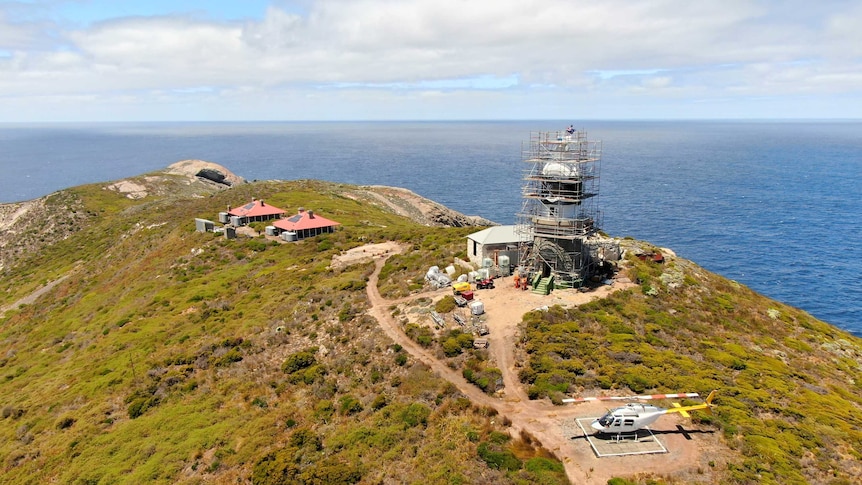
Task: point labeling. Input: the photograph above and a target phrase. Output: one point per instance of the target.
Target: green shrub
(330, 471)
(139, 406)
(65, 422)
(299, 360)
(483, 378)
(540, 464)
(451, 347)
(421, 334)
(349, 405)
(379, 402)
(498, 438)
(501, 459)
(636, 381)
(310, 375)
(415, 414)
(231, 356)
(620, 481)
(445, 304)
(324, 410)
(257, 245)
(305, 438)
(276, 468)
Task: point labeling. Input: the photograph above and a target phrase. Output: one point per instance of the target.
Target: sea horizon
(430, 120)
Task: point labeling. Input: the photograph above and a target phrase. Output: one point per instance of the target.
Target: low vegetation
(170, 356)
(789, 398)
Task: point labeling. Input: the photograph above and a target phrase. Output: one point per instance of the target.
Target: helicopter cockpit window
(606, 420)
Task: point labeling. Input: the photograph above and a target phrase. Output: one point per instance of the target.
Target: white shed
(492, 243)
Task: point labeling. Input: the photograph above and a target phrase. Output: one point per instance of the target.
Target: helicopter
(635, 416)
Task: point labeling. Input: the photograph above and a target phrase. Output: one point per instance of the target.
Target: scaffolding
(560, 213)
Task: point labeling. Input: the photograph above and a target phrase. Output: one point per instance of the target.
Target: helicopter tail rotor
(710, 397)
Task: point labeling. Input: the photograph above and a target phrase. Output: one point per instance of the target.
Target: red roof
(256, 208)
(304, 220)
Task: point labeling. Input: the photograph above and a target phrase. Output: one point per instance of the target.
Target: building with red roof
(254, 211)
(305, 224)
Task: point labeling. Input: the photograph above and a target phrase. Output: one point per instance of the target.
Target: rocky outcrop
(407, 203)
(27, 227)
(443, 216)
(209, 171)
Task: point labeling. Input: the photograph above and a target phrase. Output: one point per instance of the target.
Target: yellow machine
(460, 287)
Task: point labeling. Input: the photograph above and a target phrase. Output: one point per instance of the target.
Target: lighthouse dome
(561, 170)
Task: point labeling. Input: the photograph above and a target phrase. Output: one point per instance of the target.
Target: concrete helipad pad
(642, 442)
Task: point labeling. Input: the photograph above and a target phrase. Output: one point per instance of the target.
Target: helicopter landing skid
(643, 442)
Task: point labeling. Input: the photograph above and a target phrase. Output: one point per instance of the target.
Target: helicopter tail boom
(683, 410)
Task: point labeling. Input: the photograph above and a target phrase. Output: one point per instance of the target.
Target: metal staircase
(544, 286)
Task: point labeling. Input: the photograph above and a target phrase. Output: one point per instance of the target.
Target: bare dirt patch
(365, 253)
(130, 189)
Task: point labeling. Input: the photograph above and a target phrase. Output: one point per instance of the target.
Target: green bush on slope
(776, 396)
(171, 351)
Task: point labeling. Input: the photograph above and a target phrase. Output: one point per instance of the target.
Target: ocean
(774, 205)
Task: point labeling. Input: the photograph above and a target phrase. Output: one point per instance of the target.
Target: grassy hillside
(790, 386)
(171, 356)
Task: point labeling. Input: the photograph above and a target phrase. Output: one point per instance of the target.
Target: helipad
(642, 442)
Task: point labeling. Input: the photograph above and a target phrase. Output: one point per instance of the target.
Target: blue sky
(80, 60)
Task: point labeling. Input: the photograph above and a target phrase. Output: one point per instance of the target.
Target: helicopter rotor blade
(678, 395)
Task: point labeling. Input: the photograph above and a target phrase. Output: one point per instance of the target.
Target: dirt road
(552, 425)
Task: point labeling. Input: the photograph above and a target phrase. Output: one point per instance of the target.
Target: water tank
(503, 262)
(235, 220)
(477, 308)
(289, 236)
(223, 217)
(484, 273)
(230, 232)
(487, 263)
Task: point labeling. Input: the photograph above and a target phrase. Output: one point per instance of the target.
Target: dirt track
(546, 422)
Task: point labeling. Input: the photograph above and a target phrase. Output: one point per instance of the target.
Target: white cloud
(18, 35)
(525, 51)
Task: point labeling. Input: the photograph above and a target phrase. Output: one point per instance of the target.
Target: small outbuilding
(305, 224)
(493, 242)
(204, 225)
(254, 211)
